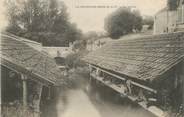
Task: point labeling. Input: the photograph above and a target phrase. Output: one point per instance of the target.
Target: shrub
(74, 60)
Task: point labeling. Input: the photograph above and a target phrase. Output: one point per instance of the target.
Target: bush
(123, 21)
(74, 60)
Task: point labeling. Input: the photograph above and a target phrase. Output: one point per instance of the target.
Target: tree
(172, 4)
(123, 21)
(74, 60)
(12, 16)
(79, 45)
(148, 20)
(44, 21)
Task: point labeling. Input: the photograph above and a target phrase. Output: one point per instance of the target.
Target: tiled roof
(23, 58)
(142, 58)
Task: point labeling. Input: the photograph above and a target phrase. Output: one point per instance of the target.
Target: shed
(151, 67)
(30, 65)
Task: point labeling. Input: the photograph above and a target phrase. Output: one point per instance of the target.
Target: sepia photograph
(92, 58)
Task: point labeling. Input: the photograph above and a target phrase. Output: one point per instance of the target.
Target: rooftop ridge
(24, 58)
(15, 37)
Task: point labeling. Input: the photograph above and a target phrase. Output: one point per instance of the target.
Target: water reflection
(80, 104)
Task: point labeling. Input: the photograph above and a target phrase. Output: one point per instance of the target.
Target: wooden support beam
(132, 82)
(24, 85)
(182, 77)
(49, 93)
(37, 97)
(40, 94)
(97, 71)
(90, 68)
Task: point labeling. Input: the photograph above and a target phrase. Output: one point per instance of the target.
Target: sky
(89, 18)
(3, 18)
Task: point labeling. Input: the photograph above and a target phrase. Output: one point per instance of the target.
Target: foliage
(148, 20)
(74, 60)
(42, 21)
(172, 4)
(92, 35)
(69, 60)
(123, 21)
(79, 45)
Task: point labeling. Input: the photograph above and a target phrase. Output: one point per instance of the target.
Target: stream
(80, 104)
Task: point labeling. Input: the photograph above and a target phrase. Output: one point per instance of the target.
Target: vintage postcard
(92, 58)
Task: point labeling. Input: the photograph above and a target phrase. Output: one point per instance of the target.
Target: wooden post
(37, 97)
(24, 84)
(49, 93)
(90, 68)
(40, 94)
(90, 71)
(182, 76)
(97, 72)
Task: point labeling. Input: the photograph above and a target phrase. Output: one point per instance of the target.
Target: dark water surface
(93, 100)
(81, 104)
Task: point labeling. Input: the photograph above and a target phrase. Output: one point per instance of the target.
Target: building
(148, 70)
(33, 44)
(28, 77)
(58, 53)
(51, 51)
(170, 20)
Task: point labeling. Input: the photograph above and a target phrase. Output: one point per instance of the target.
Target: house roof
(21, 57)
(142, 58)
